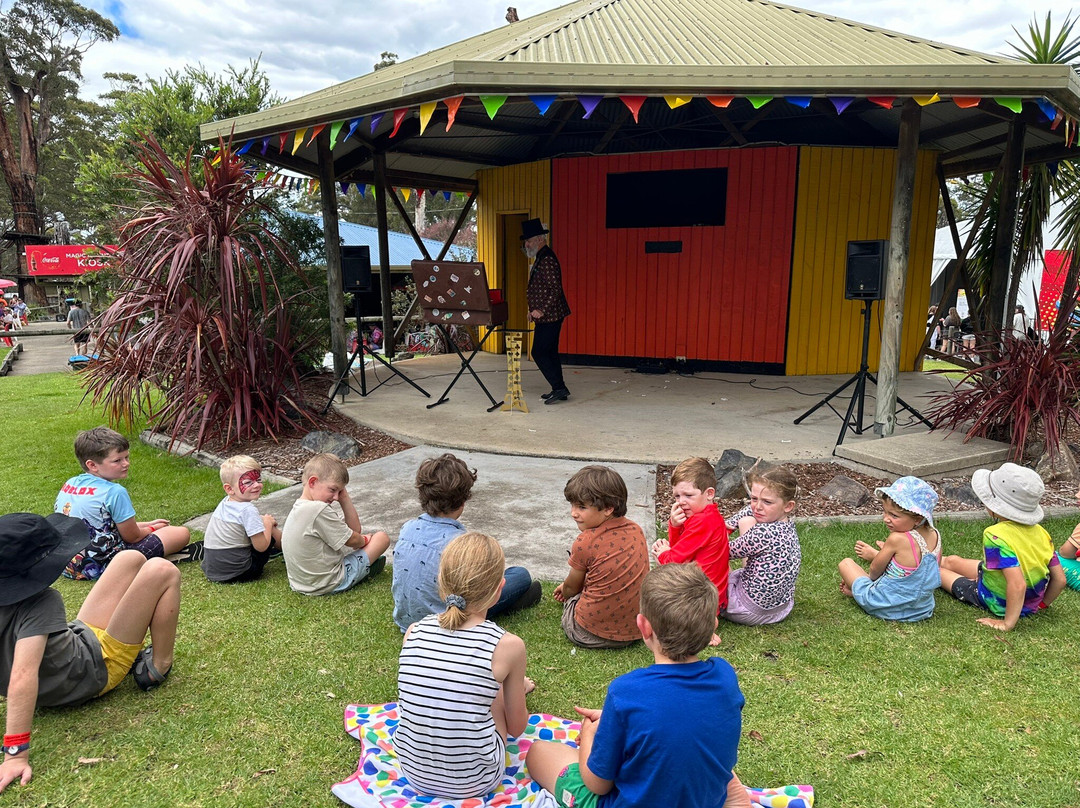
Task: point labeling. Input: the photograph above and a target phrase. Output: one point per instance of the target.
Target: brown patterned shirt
(615, 558)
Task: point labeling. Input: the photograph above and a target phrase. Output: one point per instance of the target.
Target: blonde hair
(233, 467)
(470, 572)
(778, 479)
(697, 471)
(327, 468)
(680, 603)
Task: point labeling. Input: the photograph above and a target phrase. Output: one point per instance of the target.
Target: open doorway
(514, 277)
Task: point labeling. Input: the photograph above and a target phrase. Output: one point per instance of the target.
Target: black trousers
(545, 353)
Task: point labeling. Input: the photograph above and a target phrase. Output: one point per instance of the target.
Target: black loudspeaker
(356, 268)
(866, 262)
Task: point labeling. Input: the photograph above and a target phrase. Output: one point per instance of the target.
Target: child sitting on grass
(461, 680)
(238, 541)
(324, 550)
(45, 661)
(1020, 572)
(97, 497)
(763, 590)
(668, 733)
(444, 484)
(1068, 554)
(696, 530)
(904, 569)
(608, 562)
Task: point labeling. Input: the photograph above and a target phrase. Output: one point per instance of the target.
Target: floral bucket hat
(913, 495)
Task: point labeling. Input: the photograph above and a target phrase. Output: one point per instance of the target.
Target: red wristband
(16, 740)
(151, 529)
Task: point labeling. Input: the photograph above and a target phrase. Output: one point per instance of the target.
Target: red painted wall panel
(723, 298)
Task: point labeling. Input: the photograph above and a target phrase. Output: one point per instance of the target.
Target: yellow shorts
(118, 656)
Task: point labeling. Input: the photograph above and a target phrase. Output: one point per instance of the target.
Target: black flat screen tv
(692, 197)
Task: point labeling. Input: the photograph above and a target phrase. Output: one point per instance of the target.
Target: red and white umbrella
(4, 283)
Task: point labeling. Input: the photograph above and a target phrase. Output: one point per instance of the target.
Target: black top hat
(533, 227)
(34, 551)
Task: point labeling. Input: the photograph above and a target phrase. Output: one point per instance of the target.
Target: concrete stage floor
(617, 415)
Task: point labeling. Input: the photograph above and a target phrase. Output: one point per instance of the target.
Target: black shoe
(377, 566)
(557, 395)
(530, 598)
(547, 395)
(193, 552)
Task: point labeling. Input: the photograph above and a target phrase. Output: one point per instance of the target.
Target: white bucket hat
(1012, 492)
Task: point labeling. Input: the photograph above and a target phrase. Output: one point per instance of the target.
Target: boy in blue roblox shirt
(669, 732)
(97, 497)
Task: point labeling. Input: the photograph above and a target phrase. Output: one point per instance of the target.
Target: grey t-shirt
(72, 669)
(78, 318)
(227, 542)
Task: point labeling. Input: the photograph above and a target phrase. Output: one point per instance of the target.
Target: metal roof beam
(964, 126)
(974, 147)
(1042, 154)
(413, 179)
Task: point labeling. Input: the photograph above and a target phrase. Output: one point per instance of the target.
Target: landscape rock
(731, 471)
(961, 493)
(333, 442)
(1062, 467)
(846, 491)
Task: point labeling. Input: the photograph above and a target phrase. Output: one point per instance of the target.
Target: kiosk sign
(67, 259)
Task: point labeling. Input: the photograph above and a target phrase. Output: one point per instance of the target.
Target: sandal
(147, 677)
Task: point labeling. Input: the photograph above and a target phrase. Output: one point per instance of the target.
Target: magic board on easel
(456, 292)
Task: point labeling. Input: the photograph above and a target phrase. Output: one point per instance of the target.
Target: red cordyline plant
(199, 338)
(1021, 384)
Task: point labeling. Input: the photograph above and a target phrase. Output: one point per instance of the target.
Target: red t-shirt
(703, 538)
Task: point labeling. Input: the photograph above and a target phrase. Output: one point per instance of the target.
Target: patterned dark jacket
(545, 292)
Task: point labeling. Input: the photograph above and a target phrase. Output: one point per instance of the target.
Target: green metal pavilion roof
(655, 48)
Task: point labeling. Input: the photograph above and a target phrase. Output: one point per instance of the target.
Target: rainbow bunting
(966, 102)
(590, 103)
(633, 103)
(676, 101)
(1014, 104)
(406, 192)
(802, 101)
(245, 147)
(298, 139)
(758, 101)
(840, 103)
(543, 102)
(452, 105)
(376, 119)
(426, 111)
(315, 133)
(281, 142)
(885, 101)
(926, 100)
(335, 131)
(492, 103)
(399, 116)
(721, 101)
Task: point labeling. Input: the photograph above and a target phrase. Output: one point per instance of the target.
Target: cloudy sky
(306, 46)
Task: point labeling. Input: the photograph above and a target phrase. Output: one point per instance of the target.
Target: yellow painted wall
(845, 194)
(517, 189)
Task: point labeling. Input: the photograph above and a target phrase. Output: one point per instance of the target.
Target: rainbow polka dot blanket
(379, 783)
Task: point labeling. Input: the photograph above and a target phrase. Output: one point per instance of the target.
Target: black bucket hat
(34, 551)
(533, 227)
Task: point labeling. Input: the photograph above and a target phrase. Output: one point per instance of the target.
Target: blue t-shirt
(102, 504)
(669, 735)
(416, 567)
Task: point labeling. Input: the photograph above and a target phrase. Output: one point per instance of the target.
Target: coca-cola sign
(67, 259)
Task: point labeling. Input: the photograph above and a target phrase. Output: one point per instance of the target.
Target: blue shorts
(357, 567)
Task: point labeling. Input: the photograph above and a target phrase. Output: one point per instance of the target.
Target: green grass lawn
(954, 371)
(870, 713)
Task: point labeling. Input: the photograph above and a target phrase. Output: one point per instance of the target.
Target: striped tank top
(447, 742)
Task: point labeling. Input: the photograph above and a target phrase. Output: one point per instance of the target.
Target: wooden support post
(896, 277)
(379, 159)
(995, 315)
(332, 238)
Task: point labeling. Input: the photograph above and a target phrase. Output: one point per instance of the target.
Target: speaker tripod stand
(344, 382)
(858, 395)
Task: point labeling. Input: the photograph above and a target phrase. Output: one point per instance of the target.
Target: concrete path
(518, 500)
(43, 353)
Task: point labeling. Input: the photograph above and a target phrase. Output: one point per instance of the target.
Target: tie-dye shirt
(1009, 544)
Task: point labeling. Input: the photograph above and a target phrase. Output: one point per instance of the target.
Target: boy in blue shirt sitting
(668, 733)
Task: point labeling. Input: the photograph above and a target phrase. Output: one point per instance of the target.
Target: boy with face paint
(238, 540)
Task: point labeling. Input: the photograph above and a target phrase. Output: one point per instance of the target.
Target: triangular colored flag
(1053, 168)
(406, 192)
(355, 122)
(1045, 107)
(492, 103)
(452, 105)
(245, 147)
(1057, 120)
(335, 130)
(298, 139)
(543, 102)
(758, 101)
(840, 103)
(266, 143)
(260, 176)
(419, 193)
(314, 186)
(315, 133)
(1015, 104)
(590, 103)
(446, 195)
(799, 100)
(376, 119)
(345, 188)
(966, 102)
(399, 116)
(885, 101)
(216, 160)
(926, 100)
(426, 110)
(432, 193)
(281, 142)
(633, 103)
(721, 101)
(363, 189)
(676, 101)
